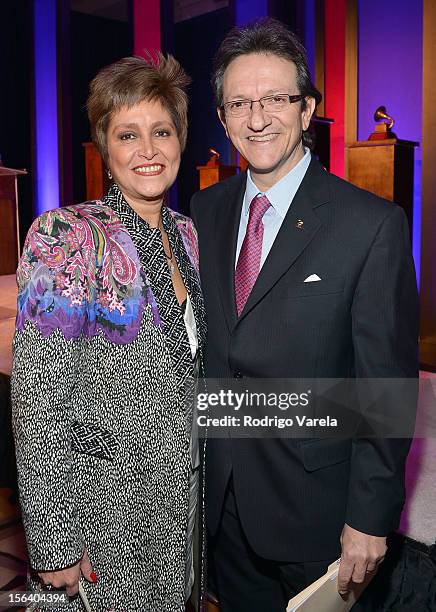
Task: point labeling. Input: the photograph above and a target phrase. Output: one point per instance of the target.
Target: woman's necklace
(169, 258)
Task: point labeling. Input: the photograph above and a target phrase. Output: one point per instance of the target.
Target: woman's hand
(69, 577)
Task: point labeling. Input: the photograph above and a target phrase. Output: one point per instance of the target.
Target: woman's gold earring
(109, 175)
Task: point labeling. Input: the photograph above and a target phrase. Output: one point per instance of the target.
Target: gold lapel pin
(299, 224)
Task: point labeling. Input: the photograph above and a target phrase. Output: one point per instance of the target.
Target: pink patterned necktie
(247, 268)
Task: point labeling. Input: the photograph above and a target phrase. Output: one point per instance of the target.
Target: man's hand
(361, 555)
(69, 577)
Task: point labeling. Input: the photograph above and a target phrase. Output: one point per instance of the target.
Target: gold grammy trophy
(384, 163)
(382, 131)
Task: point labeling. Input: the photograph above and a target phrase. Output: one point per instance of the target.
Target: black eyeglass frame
(292, 100)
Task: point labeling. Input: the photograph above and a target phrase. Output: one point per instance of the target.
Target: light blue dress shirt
(280, 196)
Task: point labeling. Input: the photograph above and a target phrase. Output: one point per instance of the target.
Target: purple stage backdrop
(390, 73)
(46, 116)
(247, 10)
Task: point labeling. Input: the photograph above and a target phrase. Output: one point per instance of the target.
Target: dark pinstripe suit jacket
(360, 320)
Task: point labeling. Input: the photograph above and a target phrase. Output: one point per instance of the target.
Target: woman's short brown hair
(132, 80)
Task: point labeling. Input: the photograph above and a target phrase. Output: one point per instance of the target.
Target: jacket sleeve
(46, 355)
(385, 340)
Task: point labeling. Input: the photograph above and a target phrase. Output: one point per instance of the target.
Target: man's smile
(262, 138)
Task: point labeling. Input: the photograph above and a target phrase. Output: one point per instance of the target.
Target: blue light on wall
(309, 36)
(46, 127)
(390, 73)
(248, 10)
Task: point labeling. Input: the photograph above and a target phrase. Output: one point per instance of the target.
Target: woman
(110, 322)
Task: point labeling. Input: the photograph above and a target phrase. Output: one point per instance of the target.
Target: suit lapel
(226, 235)
(297, 231)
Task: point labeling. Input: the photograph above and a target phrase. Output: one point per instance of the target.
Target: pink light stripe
(146, 27)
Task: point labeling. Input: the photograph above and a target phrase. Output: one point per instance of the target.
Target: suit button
(238, 375)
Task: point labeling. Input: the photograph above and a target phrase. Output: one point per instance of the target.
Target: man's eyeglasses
(270, 104)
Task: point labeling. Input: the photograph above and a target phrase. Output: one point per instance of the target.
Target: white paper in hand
(323, 594)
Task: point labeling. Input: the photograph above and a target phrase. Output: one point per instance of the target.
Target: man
(279, 511)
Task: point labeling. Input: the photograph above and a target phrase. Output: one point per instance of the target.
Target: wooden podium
(9, 222)
(97, 181)
(209, 175)
(214, 171)
(384, 167)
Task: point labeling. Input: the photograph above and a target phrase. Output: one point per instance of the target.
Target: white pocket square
(312, 278)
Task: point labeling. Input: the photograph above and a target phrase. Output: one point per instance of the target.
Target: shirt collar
(282, 193)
